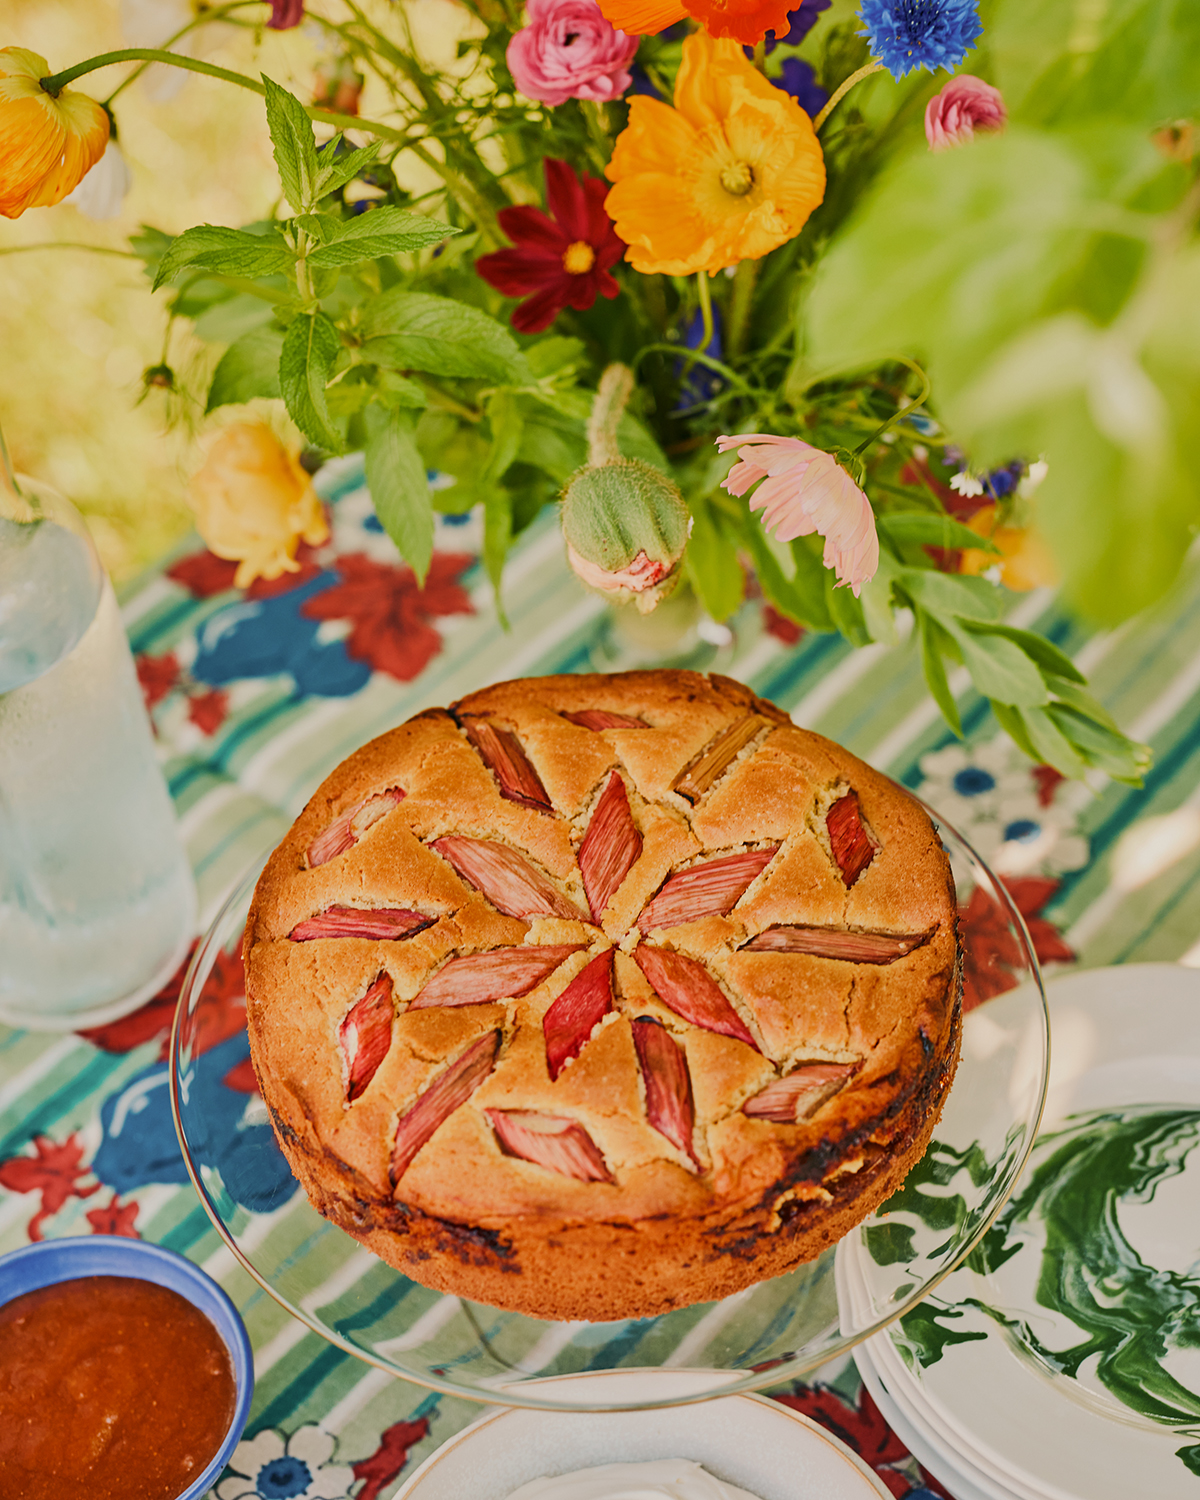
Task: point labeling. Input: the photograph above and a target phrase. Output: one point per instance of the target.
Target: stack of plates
(1062, 1362)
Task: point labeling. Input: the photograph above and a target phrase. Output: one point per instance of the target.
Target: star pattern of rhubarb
(687, 995)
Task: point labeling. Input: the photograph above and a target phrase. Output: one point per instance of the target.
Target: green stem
(697, 356)
(904, 410)
(740, 305)
(843, 89)
(201, 20)
(705, 309)
(67, 245)
(56, 82)
(608, 407)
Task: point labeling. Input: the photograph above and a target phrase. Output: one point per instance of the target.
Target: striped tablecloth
(257, 694)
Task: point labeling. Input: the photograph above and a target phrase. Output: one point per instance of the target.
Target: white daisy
(995, 798)
(965, 483)
(268, 1467)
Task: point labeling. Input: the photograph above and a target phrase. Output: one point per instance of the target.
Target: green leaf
(295, 147)
(1013, 723)
(507, 424)
(149, 245)
(1136, 59)
(399, 486)
(932, 637)
(383, 231)
(229, 252)
(946, 594)
(1106, 749)
(419, 331)
(554, 353)
(335, 171)
(846, 612)
(248, 368)
(711, 562)
(808, 584)
(310, 350)
(923, 528)
(1050, 744)
(998, 668)
(635, 442)
(1045, 653)
(1081, 701)
(958, 248)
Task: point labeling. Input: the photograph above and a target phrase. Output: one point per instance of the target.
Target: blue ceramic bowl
(49, 1261)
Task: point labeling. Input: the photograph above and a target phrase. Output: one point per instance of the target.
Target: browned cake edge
(653, 1266)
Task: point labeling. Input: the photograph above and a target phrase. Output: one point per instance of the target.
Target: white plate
(751, 1441)
(1103, 1233)
(957, 1470)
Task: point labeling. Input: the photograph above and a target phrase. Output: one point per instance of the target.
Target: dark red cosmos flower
(285, 14)
(557, 261)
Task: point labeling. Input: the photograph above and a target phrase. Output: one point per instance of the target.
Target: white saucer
(751, 1441)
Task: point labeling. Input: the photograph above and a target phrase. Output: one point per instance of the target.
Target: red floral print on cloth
(159, 675)
(389, 1458)
(115, 1218)
(204, 574)
(390, 612)
(53, 1171)
(781, 627)
(863, 1430)
(991, 952)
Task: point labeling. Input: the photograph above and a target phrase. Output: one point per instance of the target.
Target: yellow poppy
(254, 503)
(731, 172)
(47, 145)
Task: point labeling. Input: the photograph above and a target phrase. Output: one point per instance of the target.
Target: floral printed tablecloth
(256, 694)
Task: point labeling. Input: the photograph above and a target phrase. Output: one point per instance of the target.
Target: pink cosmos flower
(569, 51)
(807, 490)
(965, 105)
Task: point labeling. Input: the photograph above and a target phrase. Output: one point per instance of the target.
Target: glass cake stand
(780, 1329)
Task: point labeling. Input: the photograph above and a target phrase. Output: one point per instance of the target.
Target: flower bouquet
(762, 301)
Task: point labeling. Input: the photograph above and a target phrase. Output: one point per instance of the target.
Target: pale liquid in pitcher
(96, 897)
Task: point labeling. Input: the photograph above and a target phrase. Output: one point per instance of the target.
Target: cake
(597, 996)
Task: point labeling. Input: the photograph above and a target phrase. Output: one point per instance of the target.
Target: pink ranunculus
(807, 490)
(569, 51)
(965, 105)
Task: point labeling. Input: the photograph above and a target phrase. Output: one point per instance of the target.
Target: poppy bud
(626, 528)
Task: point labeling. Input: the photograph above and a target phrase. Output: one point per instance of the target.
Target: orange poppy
(47, 145)
(746, 21)
(731, 172)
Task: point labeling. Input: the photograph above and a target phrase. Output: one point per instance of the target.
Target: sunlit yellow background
(77, 330)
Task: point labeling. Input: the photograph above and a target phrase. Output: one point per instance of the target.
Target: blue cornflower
(798, 79)
(701, 384)
(909, 34)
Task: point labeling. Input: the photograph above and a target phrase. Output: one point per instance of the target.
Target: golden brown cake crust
(671, 1173)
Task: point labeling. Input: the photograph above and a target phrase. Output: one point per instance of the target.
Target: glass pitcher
(97, 903)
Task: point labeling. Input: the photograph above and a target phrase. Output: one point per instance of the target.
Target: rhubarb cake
(597, 996)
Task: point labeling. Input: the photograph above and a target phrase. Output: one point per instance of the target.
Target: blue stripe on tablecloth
(301, 1387)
